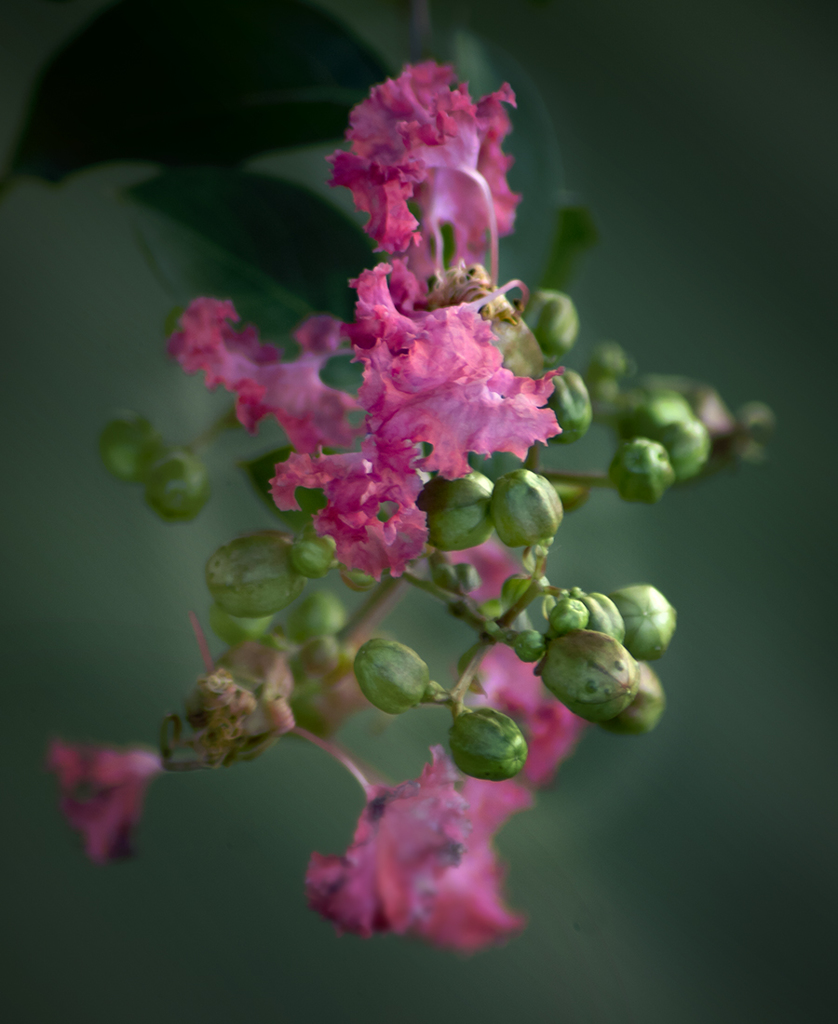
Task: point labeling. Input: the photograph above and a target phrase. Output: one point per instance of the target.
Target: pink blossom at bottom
(102, 792)
(551, 729)
(468, 912)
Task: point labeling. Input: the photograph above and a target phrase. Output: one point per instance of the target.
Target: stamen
(484, 300)
(203, 646)
(493, 223)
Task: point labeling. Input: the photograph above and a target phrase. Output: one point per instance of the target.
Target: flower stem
(470, 671)
(338, 754)
(460, 607)
(367, 616)
(227, 421)
(592, 479)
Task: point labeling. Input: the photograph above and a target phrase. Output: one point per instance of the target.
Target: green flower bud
(652, 411)
(128, 445)
(513, 589)
(319, 655)
(645, 711)
(572, 496)
(458, 511)
(568, 614)
(313, 556)
(530, 645)
(608, 364)
(392, 676)
(320, 614)
(177, 486)
(356, 579)
(487, 744)
(521, 353)
(492, 609)
(557, 324)
(468, 578)
(572, 406)
(525, 508)
(233, 630)
(649, 618)
(253, 576)
(641, 471)
(603, 614)
(591, 673)
(688, 446)
(758, 420)
(445, 576)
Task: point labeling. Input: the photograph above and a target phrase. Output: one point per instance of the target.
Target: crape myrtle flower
(552, 730)
(102, 792)
(310, 412)
(421, 863)
(429, 376)
(417, 138)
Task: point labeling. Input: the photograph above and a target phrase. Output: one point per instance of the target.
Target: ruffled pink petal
(468, 911)
(552, 731)
(310, 412)
(407, 838)
(102, 792)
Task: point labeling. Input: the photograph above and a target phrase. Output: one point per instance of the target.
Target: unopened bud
(128, 445)
(313, 556)
(603, 614)
(649, 619)
(572, 496)
(572, 406)
(513, 589)
(525, 508)
(608, 364)
(468, 578)
(177, 485)
(568, 614)
(590, 673)
(641, 471)
(391, 676)
(645, 711)
(487, 744)
(651, 411)
(530, 645)
(319, 655)
(458, 511)
(556, 324)
(356, 579)
(688, 446)
(320, 614)
(234, 630)
(252, 576)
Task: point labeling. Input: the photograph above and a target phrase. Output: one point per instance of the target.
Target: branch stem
(593, 479)
(227, 421)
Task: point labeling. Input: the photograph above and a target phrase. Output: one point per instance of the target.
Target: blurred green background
(688, 876)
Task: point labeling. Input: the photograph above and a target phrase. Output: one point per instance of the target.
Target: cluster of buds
(386, 491)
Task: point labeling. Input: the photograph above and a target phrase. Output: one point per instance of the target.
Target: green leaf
(194, 82)
(575, 233)
(262, 470)
(276, 249)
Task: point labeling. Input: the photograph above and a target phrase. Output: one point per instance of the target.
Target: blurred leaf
(575, 233)
(262, 470)
(276, 249)
(192, 82)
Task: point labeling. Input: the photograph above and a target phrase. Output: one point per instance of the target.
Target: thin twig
(200, 636)
(338, 755)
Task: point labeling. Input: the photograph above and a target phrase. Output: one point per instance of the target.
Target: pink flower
(102, 792)
(406, 838)
(310, 412)
(494, 563)
(552, 731)
(468, 911)
(417, 138)
(432, 377)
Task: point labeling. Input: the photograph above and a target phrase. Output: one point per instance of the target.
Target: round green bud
(572, 406)
(177, 485)
(319, 655)
(313, 556)
(458, 511)
(557, 324)
(590, 673)
(758, 420)
(320, 614)
(688, 445)
(645, 711)
(530, 645)
(233, 630)
(445, 576)
(487, 744)
(649, 619)
(525, 508)
(655, 411)
(572, 496)
(568, 614)
(128, 445)
(468, 578)
(357, 579)
(641, 471)
(603, 614)
(392, 676)
(253, 576)
(608, 364)
(513, 589)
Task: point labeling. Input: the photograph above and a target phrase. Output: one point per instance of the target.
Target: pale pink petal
(310, 412)
(407, 838)
(102, 792)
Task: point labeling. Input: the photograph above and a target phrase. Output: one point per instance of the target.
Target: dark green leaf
(262, 470)
(194, 82)
(575, 233)
(276, 249)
